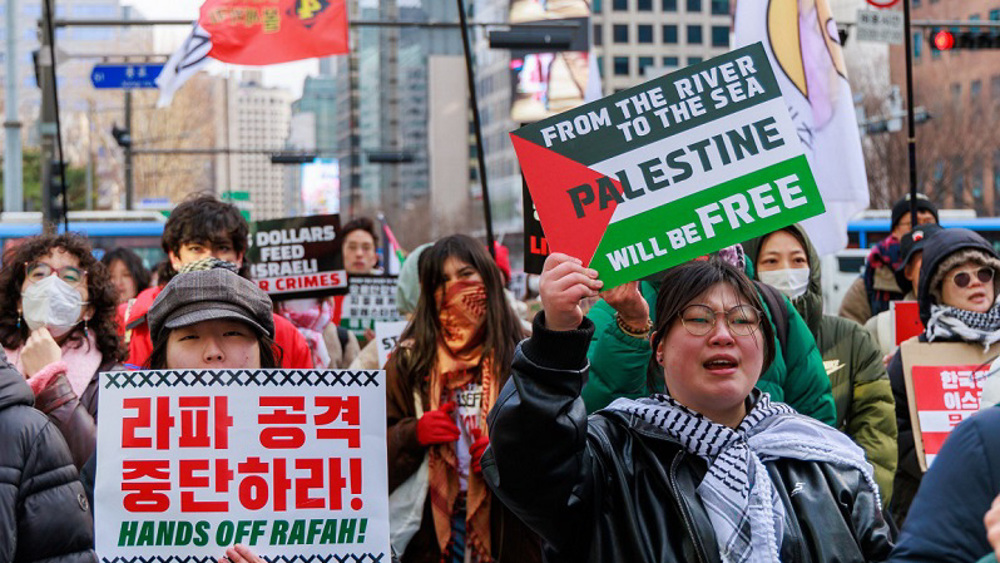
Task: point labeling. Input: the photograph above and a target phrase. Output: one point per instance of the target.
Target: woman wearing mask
(453, 358)
(127, 273)
(787, 261)
(332, 346)
(57, 326)
(711, 470)
(957, 295)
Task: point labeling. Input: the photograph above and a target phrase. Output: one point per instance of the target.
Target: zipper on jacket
(685, 515)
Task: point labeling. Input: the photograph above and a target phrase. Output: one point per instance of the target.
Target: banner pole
(911, 134)
(487, 211)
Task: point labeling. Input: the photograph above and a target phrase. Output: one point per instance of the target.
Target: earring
(19, 318)
(86, 332)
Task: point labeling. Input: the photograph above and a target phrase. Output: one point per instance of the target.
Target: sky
(288, 75)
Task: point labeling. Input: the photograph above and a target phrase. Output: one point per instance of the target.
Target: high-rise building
(958, 149)
(258, 120)
(632, 38)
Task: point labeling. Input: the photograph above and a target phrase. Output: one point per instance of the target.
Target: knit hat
(503, 260)
(902, 207)
(912, 243)
(955, 260)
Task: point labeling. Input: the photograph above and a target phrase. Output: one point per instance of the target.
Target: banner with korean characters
(370, 299)
(289, 462)
(669, 170)
(298, 257)
(944, 384)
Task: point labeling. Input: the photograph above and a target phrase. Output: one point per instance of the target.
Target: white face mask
(792, 282)
(52, 303)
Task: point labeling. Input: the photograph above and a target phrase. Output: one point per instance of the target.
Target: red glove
(437, 427)
(477, 448)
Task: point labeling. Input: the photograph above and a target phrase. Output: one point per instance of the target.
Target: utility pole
(129, 181)
(47, 125)
(13, 193)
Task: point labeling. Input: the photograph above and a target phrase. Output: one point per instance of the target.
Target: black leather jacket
(613, 488)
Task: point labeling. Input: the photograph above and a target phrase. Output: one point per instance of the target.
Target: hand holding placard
(627, 301)
(564, 282)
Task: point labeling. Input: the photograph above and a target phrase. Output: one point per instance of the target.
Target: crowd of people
(712, 412)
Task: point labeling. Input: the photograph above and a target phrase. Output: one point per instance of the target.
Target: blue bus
(139, 231)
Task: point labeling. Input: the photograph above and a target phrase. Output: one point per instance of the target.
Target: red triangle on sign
(550, 176)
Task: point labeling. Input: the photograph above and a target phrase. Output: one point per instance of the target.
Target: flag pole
(911, 134)
(487, 211)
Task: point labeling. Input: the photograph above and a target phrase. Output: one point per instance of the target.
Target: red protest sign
(944, 384)
(906, 320)
(263, 32)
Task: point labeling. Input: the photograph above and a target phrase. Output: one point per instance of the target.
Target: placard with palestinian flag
(669, 170)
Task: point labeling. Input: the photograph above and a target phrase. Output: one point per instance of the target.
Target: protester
(619, 352)
(57, 326)
(713, 471)
(200, 228)
(43, 508)
(871, 293)
(787, 261)
(127, 272)
(908, 278)
(332, 346)
(359, 241)
(407, 296)
(454, 356)
(946, 521)
(956, 295)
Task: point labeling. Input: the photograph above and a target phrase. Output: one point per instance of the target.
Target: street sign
(882, 26)
(125, 76)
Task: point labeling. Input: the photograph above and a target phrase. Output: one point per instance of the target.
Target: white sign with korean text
(882, 26)
(291, 463)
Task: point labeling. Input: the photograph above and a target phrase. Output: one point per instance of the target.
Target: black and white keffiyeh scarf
(948, 323)
(745, 509)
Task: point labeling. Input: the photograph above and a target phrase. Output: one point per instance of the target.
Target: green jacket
(618, 364)
(861, 390)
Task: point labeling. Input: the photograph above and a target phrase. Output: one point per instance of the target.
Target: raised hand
(437, 427)
(627, 300)
(39, 351)
(564, 282)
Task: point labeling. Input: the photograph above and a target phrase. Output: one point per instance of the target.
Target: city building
(958, 149)
(633, 38)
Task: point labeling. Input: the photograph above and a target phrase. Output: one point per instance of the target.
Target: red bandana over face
(462, 314)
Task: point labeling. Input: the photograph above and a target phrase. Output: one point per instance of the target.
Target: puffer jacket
(612, 488)
(44, 513)
(861, 390)
(908, 473)
(618, 363)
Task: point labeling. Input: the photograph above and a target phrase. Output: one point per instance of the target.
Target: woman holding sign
(957, 295)
(453, 359)
(710, 467)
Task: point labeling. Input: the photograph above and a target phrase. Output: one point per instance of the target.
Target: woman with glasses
(710, 470)
(57, 326)
(957, 295)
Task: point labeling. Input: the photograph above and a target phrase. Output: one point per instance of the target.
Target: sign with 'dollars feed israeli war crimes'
(670, 170)
(298, 257)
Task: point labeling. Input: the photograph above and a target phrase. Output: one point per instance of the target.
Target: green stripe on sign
(749, 206)
(600, 130)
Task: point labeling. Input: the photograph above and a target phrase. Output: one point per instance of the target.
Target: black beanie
(902, 207)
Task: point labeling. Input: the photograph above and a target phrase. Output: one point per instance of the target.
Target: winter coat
(342, 352)
(619, 363)
(880, 327)
(511, 540)
(610, 487)
(291, 345)
(861, 390)
(908, 473)
(44, 513)
(945, 522)
(855, 305)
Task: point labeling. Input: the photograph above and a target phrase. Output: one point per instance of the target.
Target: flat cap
(208, 295)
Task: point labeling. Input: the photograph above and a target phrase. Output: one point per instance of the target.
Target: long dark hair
(103, 298)
(132, 263)
(503, 329)
(681, 285)
(270, 353)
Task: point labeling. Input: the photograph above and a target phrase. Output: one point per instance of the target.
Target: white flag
(183, 64)
(801, 41)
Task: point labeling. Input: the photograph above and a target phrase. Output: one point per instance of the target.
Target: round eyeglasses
(699, 320)
(38, 271)
(964, 278)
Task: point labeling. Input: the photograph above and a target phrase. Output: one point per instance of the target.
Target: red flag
(263, 32)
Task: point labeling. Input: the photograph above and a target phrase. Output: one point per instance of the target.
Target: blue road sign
(127, 76)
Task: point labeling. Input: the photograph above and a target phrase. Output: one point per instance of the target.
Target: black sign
(298, 257)
(535, 247)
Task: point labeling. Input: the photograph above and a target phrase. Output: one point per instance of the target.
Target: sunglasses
(964, 278)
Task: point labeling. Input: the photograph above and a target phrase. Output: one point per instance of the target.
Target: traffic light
(292, 158)
(122, 136)
(968, 39)
(56, 209)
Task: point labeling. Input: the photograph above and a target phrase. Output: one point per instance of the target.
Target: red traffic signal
(943, 40)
